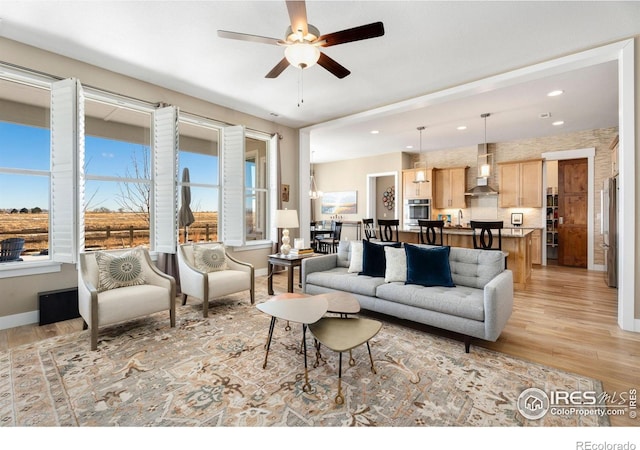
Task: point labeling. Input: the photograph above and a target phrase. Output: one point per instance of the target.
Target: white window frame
(25, 268)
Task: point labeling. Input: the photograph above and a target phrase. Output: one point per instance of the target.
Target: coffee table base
(340, 335)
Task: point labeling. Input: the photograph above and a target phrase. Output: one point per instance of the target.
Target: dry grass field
(103, 229)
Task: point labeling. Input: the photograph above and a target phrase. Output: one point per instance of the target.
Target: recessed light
(409, 146)
(374, 132)
(461, 128)
(555, 93)
(557, 123)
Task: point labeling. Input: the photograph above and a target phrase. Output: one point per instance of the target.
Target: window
(117, 169)
(198, 142)
(25, 165)
(256, 189)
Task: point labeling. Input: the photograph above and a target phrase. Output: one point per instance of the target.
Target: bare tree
(134, 196)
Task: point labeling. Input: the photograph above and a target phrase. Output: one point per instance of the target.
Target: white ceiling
(428, 46)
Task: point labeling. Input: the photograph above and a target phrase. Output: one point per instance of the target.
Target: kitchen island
(515, 241)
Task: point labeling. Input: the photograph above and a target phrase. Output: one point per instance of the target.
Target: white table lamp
(286, 218)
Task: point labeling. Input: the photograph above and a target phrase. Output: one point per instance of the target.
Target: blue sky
(25, 147)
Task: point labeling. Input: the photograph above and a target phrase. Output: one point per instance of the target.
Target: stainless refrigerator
(609, 227)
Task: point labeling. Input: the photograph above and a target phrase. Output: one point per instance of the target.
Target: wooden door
(572, 212)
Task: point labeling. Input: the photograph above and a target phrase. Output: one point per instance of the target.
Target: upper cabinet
(449, 186)
(411, 189)
(521, 184)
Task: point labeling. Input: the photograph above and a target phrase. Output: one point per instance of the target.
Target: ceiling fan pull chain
(300, 90)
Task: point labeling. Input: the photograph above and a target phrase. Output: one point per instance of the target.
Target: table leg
(306, 387)
(373, 369)
(270, 278)
(290, 271)
(339, 397)
(268, 344)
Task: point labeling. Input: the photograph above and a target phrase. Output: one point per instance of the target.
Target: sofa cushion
(428, 266)
(475, 268)
(340, 279)
(344, 253)
(460, 301)
(396, 264)
(373, 261)
(355, 254)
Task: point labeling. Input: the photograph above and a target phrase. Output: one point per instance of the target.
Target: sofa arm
(498, 304)
(317, 264)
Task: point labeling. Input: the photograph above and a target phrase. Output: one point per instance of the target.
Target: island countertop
(506, 232)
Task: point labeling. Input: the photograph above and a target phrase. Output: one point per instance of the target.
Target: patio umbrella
(185, 217)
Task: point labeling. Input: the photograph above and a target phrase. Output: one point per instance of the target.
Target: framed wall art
(345, 202)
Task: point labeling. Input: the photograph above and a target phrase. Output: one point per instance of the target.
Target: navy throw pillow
(373, 260)
(428, 266)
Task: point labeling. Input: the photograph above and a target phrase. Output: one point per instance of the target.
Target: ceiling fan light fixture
(302, 55)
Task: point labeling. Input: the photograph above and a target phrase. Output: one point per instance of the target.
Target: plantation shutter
(233, 223)
(67, 179)
(164, 217)
(274, 185)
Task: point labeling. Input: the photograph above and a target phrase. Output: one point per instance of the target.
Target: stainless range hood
(482, 188)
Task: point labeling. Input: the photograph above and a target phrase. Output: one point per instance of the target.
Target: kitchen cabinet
(520, 184)
(614, 156)
(413, 190)
(536, 247)
(449, 186)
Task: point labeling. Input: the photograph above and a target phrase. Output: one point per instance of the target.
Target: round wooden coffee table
(342, 303)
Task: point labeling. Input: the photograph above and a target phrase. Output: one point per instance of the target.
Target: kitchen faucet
(459, 217)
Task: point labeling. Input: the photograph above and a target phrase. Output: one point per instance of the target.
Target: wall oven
(416, 209)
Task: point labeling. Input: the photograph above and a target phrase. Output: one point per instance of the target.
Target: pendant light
(484, 163)
(314, 193)
(421, 176)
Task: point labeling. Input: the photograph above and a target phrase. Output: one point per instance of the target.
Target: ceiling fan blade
(278, 69)
(247, 37)
(369, 31)
(298, 16)
(332, 66)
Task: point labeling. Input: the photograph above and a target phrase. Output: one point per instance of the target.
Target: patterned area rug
(208, 372)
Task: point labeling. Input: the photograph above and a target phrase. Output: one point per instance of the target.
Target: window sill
(253, 245)
(26, 268)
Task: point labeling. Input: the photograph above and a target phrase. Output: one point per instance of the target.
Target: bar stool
(428, 233)
(483, 236)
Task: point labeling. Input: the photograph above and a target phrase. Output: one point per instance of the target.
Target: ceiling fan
(302, 40)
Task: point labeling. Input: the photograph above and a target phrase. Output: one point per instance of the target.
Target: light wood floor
(565, 318)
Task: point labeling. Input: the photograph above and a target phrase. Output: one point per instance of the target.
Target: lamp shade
(302, 55)
(287, 218)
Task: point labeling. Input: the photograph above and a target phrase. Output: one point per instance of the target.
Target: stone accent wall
(599, 139)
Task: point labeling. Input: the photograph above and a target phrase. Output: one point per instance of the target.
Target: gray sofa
(478, 306)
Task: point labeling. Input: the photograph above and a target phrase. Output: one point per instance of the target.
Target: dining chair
(389, 230)
(369, 229)
(431, 232)
(330, 244)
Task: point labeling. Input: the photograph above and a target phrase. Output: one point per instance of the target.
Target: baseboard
(17, 320)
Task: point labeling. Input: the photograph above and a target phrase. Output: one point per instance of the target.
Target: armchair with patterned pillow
(208, 272)
(115, 286)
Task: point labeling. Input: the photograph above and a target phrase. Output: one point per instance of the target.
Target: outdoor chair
(11, 249)
(116, 286)
(208, 272)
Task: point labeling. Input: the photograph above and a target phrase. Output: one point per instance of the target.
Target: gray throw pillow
(209, 259)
